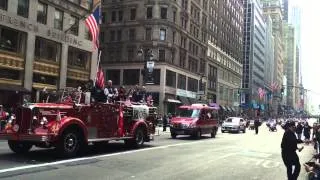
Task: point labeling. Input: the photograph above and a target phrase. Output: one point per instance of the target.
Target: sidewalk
(159, 131)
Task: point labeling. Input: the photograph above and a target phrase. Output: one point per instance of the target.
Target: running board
(108, 139)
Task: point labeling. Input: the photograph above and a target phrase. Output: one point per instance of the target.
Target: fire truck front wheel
(70, 143)
(138, 139)
(19, 147)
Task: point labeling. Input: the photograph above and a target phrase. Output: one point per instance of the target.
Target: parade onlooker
(3, 117)
(299, 130)
(289, 145)
(256, 125)
(165, 121)
(306, 131)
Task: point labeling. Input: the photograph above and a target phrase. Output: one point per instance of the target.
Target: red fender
(137, 124)
(66, 122)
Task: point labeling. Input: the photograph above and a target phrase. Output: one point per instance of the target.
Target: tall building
(291, 65)
(255, 54)
(269, 66)
(177, 32)
(44, 44)
(225, 44)
(273, 8)
(286, 9)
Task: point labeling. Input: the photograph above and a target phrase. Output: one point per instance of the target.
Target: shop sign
(184, 93)
(28, 26)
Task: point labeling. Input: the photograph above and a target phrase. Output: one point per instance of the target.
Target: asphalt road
(227, 157)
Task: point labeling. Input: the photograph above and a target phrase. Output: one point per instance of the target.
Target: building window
(58, 19)
(75, 25)
(182, 80)
(47, 50)
(4, 4)
(192, 84)
(112, 35)
(148, 34)
(202, 66)
(149, 12)
(114, 76)
(163, 12)
(120, 15)
(174, 16)
(45, 79)
(11, 40)
(119, 35)
(156, 74)
(162, 55)
(23, 8)
(103, 18)
(10, 74)
(78, 58)
(133, 13)
(132, 34)
(170, 79)
(182, 58)
(193, 65)
(131, 76)
(113, 16)
(130, 54)
(163, 34)
(42, 13)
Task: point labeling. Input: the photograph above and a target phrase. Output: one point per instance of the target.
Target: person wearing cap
(289, 145)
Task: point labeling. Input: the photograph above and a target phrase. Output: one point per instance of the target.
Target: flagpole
(98, 64)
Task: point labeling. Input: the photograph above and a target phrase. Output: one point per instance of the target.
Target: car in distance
(233, 124)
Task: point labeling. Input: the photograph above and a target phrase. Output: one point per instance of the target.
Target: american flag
(261, 93)
(274, 86)
(100, 79)
(92, 23)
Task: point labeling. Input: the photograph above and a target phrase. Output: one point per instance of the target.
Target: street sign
(200, 93)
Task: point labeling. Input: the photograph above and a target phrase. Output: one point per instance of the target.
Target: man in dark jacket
(256, 124)
(299, 130)
(289, 145)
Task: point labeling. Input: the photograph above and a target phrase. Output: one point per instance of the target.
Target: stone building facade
(44, 43)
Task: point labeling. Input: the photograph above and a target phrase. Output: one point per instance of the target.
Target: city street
(228, 156)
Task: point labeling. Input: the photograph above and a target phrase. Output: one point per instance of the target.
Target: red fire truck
(70, 126)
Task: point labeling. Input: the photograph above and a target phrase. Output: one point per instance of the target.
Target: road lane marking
(2, 171)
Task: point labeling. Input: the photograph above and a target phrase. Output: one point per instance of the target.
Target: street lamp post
(201, 90)
(147, 72)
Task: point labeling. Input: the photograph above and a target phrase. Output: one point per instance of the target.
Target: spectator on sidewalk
(289, 145)
(299, 130)
(165, 122)
(306, 131)
(257, 124)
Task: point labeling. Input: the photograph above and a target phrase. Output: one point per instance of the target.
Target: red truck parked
(195, 120)
(69, 127)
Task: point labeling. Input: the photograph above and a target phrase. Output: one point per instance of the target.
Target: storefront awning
(228, 108)
(184, 100)
(222, 108)
(214, 105)
(173, 101)
(232, 109)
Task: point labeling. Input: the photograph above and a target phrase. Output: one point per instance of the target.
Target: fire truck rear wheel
(70, 143)
(19, 147)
